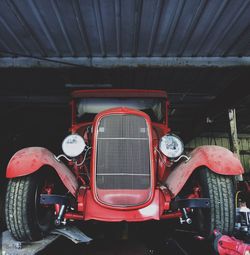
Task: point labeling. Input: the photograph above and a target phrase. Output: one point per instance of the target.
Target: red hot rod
(121, 162)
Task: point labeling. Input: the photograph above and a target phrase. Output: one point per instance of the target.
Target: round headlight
(171, 146)
(73, 145)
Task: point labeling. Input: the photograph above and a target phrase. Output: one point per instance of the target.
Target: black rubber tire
(22, 205)
(220, 190)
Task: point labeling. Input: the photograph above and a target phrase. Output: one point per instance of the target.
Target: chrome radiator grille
(123, 156)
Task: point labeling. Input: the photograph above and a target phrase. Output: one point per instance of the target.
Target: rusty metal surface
(216, 158)
(31, 159)
(221, 139)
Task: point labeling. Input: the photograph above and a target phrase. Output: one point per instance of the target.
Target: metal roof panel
(115, 28)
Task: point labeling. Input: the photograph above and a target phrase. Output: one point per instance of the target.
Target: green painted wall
(223, 140)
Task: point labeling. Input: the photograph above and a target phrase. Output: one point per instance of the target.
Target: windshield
(87, 108)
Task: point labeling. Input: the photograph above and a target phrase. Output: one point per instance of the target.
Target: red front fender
(29, 160)
(220, 160)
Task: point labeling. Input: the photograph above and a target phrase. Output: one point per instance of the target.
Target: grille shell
(123, 168)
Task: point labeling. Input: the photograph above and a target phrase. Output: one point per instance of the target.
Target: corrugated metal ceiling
(117, 28)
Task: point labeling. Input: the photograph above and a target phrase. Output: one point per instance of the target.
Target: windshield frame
(162, 101)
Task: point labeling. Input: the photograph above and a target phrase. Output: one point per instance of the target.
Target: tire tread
(219, 188)
(19, 210)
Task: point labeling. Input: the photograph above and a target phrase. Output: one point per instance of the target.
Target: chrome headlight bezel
(171, 146)
(73, 145)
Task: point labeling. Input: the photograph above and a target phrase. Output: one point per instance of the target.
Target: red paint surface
(96, 211)
(174, 215)
(227, 245)
(123, 197)
(220, 160)
(29, 160)
(74, 216)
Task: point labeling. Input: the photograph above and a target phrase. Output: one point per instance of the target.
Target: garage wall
(223, 140)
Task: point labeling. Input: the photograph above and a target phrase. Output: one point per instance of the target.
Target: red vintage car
(121, 162)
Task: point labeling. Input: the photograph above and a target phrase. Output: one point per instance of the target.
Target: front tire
(220, 190)
(26, 219)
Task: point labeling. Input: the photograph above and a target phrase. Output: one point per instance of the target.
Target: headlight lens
(171, 146)
(73, 145)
